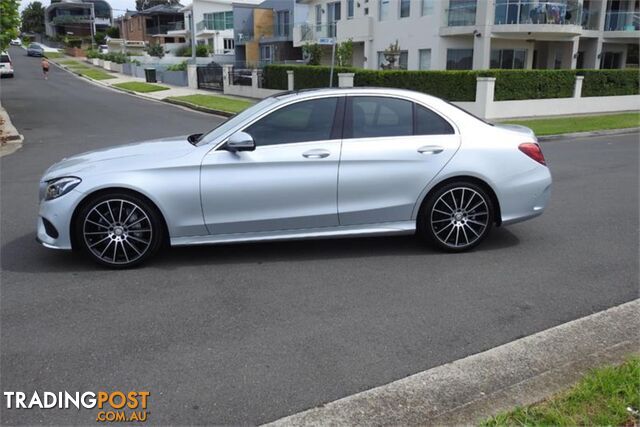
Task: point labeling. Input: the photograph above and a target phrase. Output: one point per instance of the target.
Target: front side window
(372, 117)
(300, 122)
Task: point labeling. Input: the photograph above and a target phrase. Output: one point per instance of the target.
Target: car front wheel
(119, 230)
(457, 216)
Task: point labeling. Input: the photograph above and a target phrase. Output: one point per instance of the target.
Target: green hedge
(610, 82)
(461, 85)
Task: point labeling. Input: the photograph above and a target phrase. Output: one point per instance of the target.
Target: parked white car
(6, 68)
(103, 48)
(15, 42)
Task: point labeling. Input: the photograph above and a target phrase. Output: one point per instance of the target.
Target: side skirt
(387, 228)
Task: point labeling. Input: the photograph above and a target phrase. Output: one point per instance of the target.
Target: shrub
(92, 53)
(202, 50)
(532, 84)
(156, 50)
(306, 76)
(610, 82)
(178, 67)
(183, 51)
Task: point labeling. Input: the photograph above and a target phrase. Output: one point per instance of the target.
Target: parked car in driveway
(103, 48)
(34, 49)
(15, 42)
(308, 164)
(6, 67)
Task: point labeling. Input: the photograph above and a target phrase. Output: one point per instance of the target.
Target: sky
(118, 6)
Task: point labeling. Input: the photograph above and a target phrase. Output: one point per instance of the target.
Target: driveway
(250, 333)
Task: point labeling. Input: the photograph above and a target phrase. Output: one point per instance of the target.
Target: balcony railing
(590, 19)
(461, 15)
(163, 28)
(211, 25)
(538, 12)
(312, 32)
(622, 21)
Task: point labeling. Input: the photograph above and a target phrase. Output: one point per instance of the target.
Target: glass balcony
(461, 13)
(163, 28)
(312, 32)
(566, 12)
(622, 21)
(590, 19)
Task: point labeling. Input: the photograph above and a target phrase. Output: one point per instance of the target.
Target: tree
(146, 4)
(313, 53)
(9, 22)
(113, 32)
(33, 18)
(344, 52)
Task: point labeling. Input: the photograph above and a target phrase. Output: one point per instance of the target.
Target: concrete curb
(10, 139)
(468, 390)
(198, 107)
(588, 134)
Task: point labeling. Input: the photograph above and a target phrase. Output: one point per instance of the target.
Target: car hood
(517, 128)
(136, 156)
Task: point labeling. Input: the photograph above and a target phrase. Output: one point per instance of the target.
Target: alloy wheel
(459, 217)
(117, 231)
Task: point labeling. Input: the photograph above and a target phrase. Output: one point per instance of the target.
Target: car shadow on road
(25, 255)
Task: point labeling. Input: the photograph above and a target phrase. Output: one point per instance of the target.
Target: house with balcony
(77, 17)
(477, 34)
(263, 32)
(153, 25)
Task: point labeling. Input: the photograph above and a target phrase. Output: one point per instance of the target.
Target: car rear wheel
(119, 230)
(457, 216)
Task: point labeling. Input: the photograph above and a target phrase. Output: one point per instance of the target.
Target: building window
(318, 16)
(427, 7)
(405, 8)
(229, 44)
(510, 59)
(282, 23)
(424, 59)
(349, 9)
(459, 59)
(611, 60)
(461, 13)
(383, 12)
(218, 21)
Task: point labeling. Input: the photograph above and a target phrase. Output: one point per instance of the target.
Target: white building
(213, 24)
(477, 34)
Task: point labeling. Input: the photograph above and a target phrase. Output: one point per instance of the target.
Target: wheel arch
(109, 190)
(472, 179)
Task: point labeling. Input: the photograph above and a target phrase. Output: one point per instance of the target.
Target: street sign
(328, 41)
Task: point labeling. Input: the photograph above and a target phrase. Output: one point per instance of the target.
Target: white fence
(484, 106)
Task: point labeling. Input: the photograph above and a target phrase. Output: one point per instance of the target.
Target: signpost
(329, 41)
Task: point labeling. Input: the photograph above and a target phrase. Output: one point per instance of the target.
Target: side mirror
(240, 141)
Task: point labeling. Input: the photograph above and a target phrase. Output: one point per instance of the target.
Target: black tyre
(456, 217)
(119, 230)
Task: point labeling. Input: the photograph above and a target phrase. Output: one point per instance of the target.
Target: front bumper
(58, 213)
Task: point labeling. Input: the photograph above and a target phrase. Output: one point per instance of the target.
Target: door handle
(430, 149)
(317, 153)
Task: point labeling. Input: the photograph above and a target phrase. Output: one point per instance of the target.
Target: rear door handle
(430, 149)
(317, 153)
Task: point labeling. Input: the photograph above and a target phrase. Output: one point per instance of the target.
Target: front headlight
(60, 186)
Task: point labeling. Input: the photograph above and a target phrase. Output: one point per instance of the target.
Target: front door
(392, 148)
(290, 180)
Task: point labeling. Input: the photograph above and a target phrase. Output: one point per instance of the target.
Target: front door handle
(430, 149)
(317, 153)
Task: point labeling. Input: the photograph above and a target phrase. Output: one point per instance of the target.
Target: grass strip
(213, 102)
(140, 87)
(94, 74)
(601, 398)
(562, 125)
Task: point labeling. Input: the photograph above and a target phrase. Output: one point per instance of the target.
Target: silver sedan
(310, 164)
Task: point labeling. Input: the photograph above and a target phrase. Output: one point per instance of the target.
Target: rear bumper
(526, 197)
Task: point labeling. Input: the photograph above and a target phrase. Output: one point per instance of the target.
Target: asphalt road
(251, 333)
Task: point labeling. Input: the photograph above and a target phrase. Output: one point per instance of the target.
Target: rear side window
(4, 58)
(300, 122)
(429, 123)
(371, 117)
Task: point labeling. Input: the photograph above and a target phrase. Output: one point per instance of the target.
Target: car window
(429, 123)
(33, 46)
(370, 117)
(300, 122)
(4, 58)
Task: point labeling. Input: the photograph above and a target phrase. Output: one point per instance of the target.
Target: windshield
(224, 127)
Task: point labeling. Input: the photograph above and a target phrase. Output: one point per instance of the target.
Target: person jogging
(45, 67)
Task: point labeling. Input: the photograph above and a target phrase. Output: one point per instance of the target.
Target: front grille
(50, 229)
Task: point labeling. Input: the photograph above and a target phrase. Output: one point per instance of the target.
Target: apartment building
(76, 17)
(477, 34)
(152, 25)
(264, 32)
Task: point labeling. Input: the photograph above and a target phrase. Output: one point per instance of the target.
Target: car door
(288, 182)
(392, 148)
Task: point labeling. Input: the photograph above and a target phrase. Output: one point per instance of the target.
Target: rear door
(392, 148)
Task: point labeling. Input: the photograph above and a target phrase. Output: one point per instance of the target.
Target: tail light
(534, 151)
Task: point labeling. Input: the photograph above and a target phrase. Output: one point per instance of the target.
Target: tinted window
(377, 116)
(300, 122)
(429, 123)
(4, 58)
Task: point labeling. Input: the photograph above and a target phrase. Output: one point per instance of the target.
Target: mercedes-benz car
(308, 164)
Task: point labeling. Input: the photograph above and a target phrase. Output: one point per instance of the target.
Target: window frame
(408, 3)
(337, 126)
